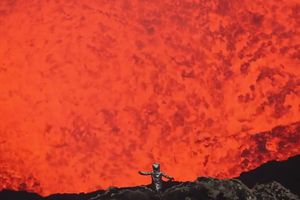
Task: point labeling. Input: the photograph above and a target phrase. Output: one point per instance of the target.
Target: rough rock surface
(285, 172)
(272, 191)
(202, 189)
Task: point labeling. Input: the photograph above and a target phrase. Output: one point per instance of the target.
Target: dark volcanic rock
(272, 191)
(209, 188)
(286, 173)
(140, 192)
(202, 189)
(16, 195)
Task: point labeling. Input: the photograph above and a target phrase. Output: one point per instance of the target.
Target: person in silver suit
(156, 176)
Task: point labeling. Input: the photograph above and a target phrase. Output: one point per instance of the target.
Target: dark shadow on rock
(287, 173)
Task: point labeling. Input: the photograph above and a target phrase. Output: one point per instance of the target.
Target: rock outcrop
(203, 188)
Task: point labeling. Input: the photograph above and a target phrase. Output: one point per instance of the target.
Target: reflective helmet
(156, 167)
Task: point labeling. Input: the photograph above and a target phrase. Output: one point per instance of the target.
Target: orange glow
(93, 91)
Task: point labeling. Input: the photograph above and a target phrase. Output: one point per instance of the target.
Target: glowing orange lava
(93, 91)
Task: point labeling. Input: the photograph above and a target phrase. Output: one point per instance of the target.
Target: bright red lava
(93, 91)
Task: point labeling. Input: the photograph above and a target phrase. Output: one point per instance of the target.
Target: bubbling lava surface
(93, 91)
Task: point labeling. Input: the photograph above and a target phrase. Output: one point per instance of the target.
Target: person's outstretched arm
(145, 173)
(167, 176)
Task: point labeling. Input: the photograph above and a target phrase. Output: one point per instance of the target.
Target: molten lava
(93, 91)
